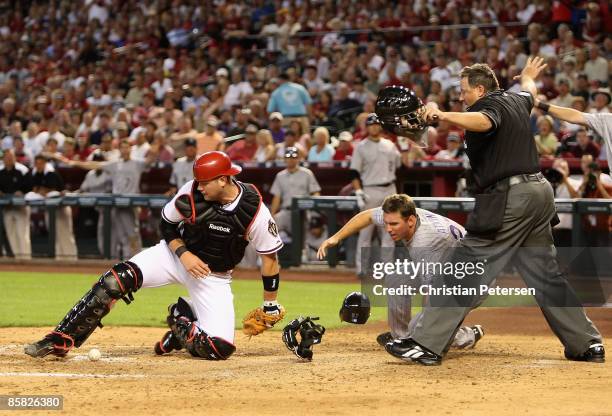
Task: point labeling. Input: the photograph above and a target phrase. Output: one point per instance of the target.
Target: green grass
(42, 299)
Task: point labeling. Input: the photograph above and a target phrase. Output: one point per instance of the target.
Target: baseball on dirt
(94, 354)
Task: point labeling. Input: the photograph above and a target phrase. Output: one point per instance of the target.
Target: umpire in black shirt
(511, 219)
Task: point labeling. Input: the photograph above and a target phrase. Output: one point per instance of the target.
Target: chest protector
(218, 237)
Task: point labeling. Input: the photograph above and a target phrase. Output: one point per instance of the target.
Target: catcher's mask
(355, 308)
(399, 110)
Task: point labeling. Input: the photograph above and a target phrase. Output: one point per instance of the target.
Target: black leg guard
(118, 283)
(200, 344)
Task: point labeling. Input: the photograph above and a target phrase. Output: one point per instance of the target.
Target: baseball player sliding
(426, 236)
(205, 228)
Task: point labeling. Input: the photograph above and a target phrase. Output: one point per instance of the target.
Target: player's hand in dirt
(330, 242)
(194, 265)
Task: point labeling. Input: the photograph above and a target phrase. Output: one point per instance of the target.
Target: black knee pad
(122, 280)
(199, 343)
(211, 348)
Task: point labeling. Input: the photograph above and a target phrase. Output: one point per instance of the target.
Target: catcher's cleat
(595, 354)
(408, 350)
(54, 343)
(384, 338)
(167, 344)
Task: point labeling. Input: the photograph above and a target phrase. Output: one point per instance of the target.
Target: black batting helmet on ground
(355, 308)
(399, 111)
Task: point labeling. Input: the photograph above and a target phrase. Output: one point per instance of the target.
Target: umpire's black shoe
(408, 350)
(384, 338)
(167, 344)
(55, 343)
(595, 354)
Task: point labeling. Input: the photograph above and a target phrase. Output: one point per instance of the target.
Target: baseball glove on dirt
(258, 320)
(310, 334)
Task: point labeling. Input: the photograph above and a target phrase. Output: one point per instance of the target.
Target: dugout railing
(328, 206)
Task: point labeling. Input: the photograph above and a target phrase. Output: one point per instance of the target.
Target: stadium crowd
(79, 79)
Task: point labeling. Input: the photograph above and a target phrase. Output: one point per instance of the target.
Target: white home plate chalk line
(70, 375)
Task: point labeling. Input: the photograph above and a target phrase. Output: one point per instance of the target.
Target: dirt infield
(518, 368)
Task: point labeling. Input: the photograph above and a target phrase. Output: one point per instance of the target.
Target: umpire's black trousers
(526, 238)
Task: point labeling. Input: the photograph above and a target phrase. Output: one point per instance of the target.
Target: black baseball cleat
(54, 343)
(167, 344)
(408, 350)
(595, 354)
(384, 338)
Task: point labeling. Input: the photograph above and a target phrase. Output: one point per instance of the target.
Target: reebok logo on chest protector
(219, 228)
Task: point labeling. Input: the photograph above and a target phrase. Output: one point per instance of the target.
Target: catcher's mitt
(310, 334)
(257, 321)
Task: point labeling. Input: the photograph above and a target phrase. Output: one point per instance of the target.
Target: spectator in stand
(15, 180)
(103, 128)
(321, 151)
(22, 155)
(275, 125)
(242, 121)
(321, 107)
(141, 146)
(238, 91)
(244, 150)
(136, 92)
(568, 73)
(343, 103)
(160, 151)
(596, 67)
(290, 141)
(546, 140)
(394, 68)
(14, 131)
(32, 144)
(344, 151)
(601, 101)
(584, 145)
(70, 149)
(265, 146)
(442, 73)
(303, 137)
(292, 101)
(210, 139)
(311, 80)
(106, 149)
(432, 142)
(454, 148)
(564, 98)
(52, 131)
(182, 169)
(177, 139)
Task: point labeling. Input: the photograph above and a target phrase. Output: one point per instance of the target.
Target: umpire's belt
(382, 185)
(530, 177)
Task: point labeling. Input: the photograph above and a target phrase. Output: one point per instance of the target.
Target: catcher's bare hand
(194, 265)
(330, 242)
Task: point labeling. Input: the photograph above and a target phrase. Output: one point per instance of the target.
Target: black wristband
(543, 106)
(270, 283)
(180, 251)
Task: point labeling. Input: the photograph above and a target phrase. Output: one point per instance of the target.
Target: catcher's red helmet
(211, 165)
